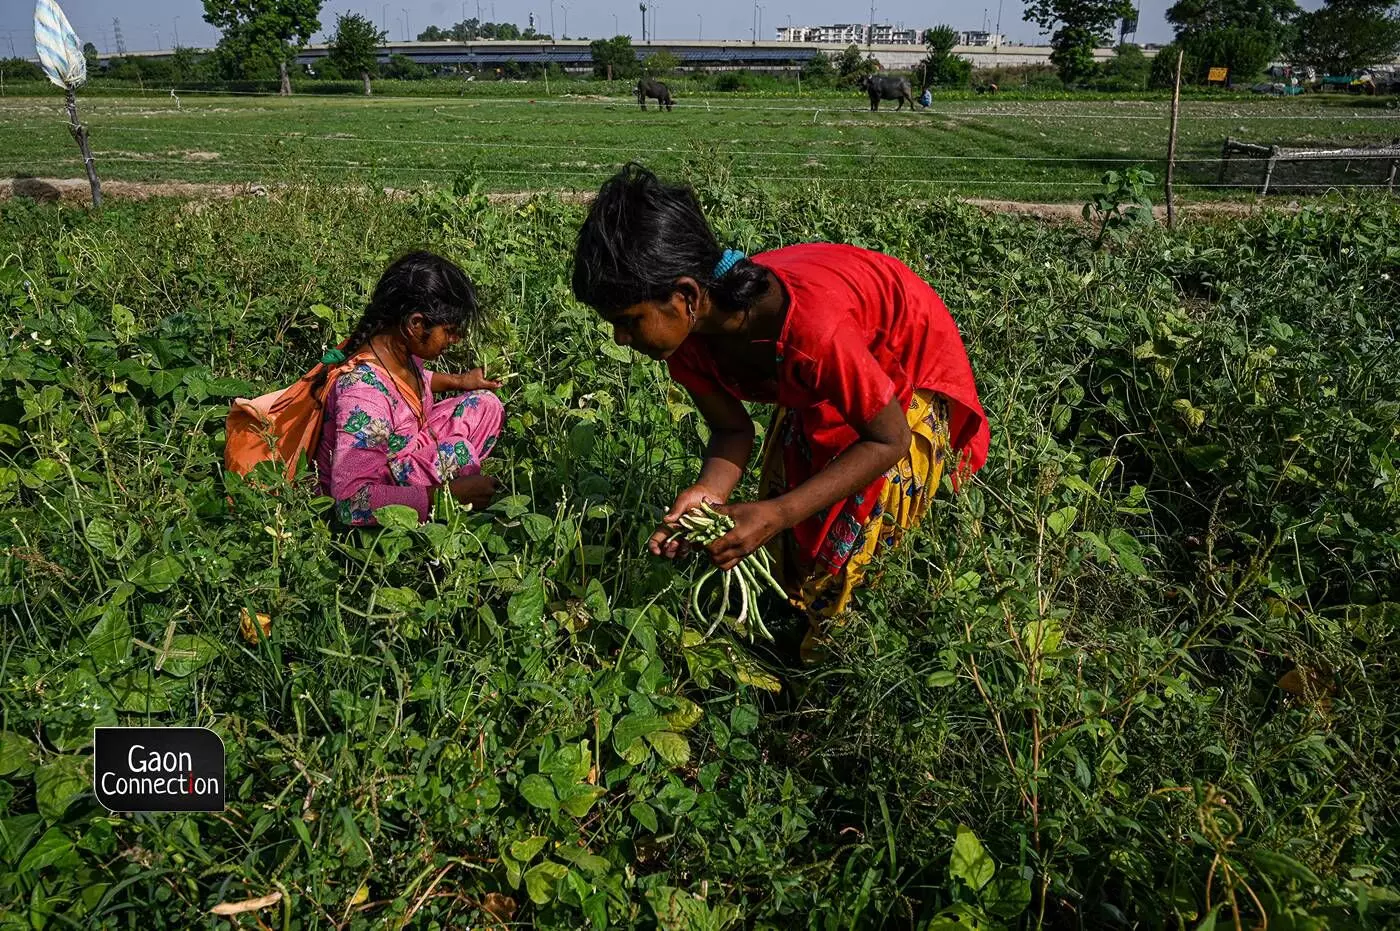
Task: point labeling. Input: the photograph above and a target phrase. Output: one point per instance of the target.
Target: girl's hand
(475, 380)
(692, 497)
(755, 523)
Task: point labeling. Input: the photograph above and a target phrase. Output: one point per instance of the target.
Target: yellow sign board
(1218, 74)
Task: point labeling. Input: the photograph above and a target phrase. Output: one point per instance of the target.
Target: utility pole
(996, 42)
(700, 33)
(643, 8)
(616, 30)
(384, 19)
(870, 27)
(177, 32)
(565, 7)
(405, 24)
(551, 20)
(116, 37)
(156, 31)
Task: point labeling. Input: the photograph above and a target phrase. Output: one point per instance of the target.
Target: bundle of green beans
(704, 525)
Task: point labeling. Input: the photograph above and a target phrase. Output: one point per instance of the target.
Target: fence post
(1171, 142)
(1269, 172)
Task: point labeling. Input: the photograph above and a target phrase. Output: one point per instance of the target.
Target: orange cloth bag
(279, 426)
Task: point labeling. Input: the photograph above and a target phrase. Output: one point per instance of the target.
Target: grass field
(1031, 150)
(1143, 672)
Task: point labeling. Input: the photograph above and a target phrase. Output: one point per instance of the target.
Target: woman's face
(656, 329)
(428, 341)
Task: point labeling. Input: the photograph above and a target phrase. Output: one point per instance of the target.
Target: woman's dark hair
(418, 282)
(642, 235)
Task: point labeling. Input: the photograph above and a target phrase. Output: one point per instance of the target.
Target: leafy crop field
(1032, 150)
(1144, 672)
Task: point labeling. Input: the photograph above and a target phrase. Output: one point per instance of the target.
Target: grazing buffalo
(659, 92)
(887, 87)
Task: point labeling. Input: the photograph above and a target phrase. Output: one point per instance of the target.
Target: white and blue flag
(60, 52)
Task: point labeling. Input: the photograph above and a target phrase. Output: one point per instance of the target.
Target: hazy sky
(149, 24)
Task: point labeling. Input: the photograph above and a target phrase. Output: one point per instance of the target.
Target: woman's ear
(416, 325)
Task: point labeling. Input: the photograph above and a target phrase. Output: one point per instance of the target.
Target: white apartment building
(849, 34)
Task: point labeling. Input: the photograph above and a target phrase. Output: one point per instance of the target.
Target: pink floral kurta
(374, 451)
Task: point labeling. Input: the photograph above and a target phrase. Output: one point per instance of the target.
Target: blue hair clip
(731, 258)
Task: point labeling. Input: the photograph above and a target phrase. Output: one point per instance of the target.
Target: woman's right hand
(476, 490)
(692, 497)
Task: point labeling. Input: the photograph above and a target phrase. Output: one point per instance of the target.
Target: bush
(19, 69)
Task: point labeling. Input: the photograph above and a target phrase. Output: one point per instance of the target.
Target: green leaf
(941, 679)
(187, 653)
(686, 715)
(1008, 895)
(597, 601)
(397, 600)
(141, 692)
(645, 815)
(636, 752)
(1042, 636)
(53, 849)
(1061, 520)
(155, 573)
(577, 800)
(526, 607)
(110, 639)
(960, 918)
(541, 880)
(1208, 923)
(102, 536)
(59, 782)
(15, 833)
(164, 381)
(525, 850)
(396, 517)
(17, 754)
(633, 726)
(671, 747)
(1283, 866)
(538, 791)
(743, 719)
(971, 863)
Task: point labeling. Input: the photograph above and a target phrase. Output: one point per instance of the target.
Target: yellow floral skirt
(905, 496)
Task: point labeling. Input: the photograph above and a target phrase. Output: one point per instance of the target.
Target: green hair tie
(333, 357)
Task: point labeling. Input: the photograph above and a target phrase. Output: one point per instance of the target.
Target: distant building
(981, 38)
(849, 34)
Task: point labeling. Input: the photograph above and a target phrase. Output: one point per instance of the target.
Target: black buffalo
(887, 87)
(659, 92)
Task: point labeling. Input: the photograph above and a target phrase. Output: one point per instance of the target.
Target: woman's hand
(755, 523)
(692, 497)
(475, 380)
(476, 490)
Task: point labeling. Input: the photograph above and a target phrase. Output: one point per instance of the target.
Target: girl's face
(428, 341)
(656, 329)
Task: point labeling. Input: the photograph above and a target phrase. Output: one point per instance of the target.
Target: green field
(1143, 672)
(1030, 150)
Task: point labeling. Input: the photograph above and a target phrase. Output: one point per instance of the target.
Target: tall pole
(156, 30)
(565, 7)
(1171, 142)
(384, 19)
(405, 24)
(551, 19)
(700, 33)
(996, 44)
(177, 32)
(616, 30)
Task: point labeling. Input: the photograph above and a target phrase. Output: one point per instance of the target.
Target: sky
(156, 24)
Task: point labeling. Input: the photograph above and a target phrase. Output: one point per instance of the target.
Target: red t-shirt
(861, 329)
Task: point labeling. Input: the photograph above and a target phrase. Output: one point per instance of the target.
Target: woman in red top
(870, 376)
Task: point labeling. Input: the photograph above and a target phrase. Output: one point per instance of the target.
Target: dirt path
(75, 190)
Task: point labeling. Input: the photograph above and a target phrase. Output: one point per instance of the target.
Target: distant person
(384, 439)
(874, 392)
(926, 98)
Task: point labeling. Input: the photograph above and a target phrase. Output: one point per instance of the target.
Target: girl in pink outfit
(385, 440)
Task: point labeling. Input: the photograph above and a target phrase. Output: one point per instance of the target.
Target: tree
(1242, 35)
(259, 32)
(613, 57)
(660, 63)
(20, 69)
(434, 34)
(403, 68)
(1128, 70)
(942, 68)
(90, 56)
(355, 46)
(1346, 35)
(818, 70)
(1079, 27)
(852, 65)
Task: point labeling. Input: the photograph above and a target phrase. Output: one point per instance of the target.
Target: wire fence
(1018, 149)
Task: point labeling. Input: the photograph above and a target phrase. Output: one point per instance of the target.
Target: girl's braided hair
(418, 282)
(641, 235)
